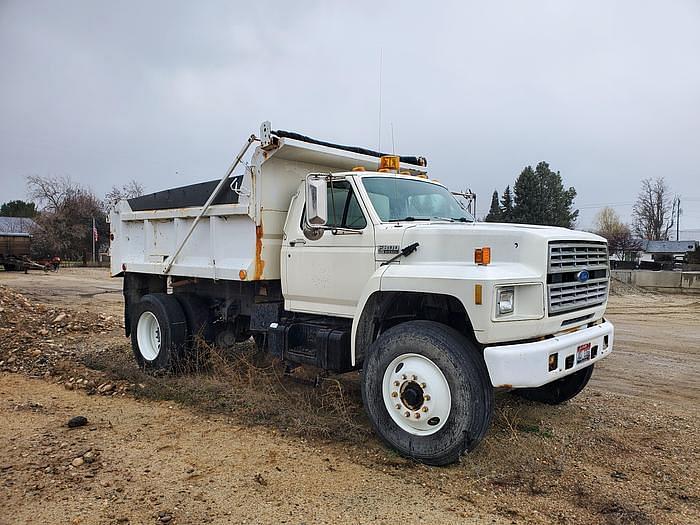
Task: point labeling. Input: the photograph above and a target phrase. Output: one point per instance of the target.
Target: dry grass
(251, 388)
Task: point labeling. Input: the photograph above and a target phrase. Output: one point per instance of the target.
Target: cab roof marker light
(389, 163)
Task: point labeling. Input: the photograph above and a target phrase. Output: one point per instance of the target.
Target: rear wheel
(560, 390)
(160, 332)
(427, 392)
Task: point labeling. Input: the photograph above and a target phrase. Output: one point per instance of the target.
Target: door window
(343, 208)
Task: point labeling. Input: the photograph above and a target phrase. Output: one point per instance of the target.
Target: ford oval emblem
(583, 276)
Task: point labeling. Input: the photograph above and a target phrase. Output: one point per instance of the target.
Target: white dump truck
(344, 259)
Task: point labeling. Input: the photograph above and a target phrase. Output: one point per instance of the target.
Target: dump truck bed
(239, 237)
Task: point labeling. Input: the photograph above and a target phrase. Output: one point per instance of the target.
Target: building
(16, 225)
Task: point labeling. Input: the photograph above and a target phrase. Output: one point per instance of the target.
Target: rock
(165, 518)
(60, 317)
(36, 353)
(105, 388)
(260, 479)
(77, 462)
(77, 421)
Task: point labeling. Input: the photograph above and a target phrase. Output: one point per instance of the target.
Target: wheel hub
(416, 394)
(148, 336)
(411, 395)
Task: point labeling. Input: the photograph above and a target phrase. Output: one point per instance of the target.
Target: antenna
(379, 145)
(393, 145)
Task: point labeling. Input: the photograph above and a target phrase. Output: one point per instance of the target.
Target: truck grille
(566, 290)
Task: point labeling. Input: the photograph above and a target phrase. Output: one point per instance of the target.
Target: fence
(661, 281)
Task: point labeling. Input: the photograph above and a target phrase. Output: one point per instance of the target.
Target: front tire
(560, 390)
(159, 332)
(427, 392)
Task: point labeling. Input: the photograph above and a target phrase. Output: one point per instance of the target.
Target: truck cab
(376, 268)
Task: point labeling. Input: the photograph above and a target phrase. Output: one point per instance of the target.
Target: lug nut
(407, 414)
(423, 385)
(404, 377)
(398, 406)
(414, 377)
(424, 409)
(394, 394)
(416, 415)
(426, 397)
(396, 383)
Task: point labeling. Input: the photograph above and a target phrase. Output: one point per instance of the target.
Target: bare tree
(64, 225)
(653, 216)
(129, 190)
(617, 233)
(51, 193)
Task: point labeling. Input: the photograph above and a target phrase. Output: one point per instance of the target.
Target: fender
(455, 280)
(373, 285)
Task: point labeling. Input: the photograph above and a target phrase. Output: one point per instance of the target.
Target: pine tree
(507, 206)
(540, 198)
(495, 214)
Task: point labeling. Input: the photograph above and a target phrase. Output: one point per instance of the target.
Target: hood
(454, 243)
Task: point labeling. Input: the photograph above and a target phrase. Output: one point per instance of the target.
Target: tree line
(538, 196)
(63, 211)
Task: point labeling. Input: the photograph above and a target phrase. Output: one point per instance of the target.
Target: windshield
(397, 199)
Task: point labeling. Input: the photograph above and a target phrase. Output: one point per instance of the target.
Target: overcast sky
(166, 92)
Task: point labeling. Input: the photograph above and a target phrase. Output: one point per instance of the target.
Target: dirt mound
(41, 340)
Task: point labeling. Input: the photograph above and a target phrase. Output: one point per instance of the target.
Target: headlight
(505, 301)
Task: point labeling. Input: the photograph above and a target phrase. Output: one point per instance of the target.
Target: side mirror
(316, 200)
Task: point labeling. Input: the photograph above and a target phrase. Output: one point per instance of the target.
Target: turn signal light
(482, 255)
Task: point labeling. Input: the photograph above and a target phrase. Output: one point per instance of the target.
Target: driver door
(325, 272)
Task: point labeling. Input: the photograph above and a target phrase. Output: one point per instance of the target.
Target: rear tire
(427, 392)
(200, 331)
(560, 390)
(159, 332)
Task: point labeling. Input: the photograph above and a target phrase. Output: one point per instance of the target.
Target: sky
(166, 92)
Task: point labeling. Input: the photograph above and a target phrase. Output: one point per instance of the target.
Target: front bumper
(526, 365)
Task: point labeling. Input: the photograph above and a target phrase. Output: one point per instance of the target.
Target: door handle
(297, 241)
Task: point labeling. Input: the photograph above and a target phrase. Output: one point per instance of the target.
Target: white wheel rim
(148, 336)
(416, 394)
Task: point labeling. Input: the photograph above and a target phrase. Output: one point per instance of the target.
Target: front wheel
(560, 390)
(427, 392)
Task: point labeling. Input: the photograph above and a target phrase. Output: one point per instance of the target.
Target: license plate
(583, 353)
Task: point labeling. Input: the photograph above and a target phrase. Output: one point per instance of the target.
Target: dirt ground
(240, 443)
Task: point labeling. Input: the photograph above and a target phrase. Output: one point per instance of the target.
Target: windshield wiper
(410, 218)
(405, 252)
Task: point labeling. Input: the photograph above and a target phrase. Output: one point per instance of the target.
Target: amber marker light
(242, 274)
(482, 255)
(477, 294)
(389, 163)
